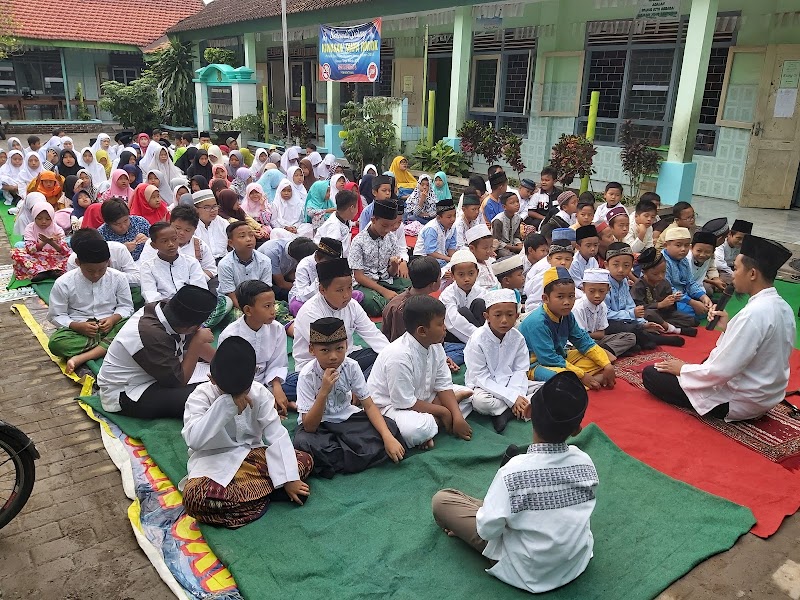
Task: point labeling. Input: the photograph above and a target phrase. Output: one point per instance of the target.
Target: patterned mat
(775, 436)
(6, 295)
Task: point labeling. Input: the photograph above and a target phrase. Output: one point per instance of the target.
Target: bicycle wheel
(17, 474)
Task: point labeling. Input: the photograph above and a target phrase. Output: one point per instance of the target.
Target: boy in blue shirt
(695, 301)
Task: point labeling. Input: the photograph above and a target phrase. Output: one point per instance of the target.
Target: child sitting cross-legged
(338, 226)
(509, 274)
(169, 270)
(481, 243)
(702, 262)
(411, 384)
(655, 293)
(46, 252)
(506, 226)
(463, 300)
(241, 457)
(438, 237)
(588, 241)
(258, 326)
(591, 313)
(498, 361)
(535, 540)
(89, 304)
(693, 300)
(548, 329)
(559, 254)
(340, 436)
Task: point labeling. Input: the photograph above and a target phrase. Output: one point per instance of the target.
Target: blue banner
(350, 53)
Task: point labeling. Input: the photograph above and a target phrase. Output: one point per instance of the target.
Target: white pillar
(462, 55)
(201, 99)
(250, 51)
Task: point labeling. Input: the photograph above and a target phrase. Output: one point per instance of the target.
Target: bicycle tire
(23, 460)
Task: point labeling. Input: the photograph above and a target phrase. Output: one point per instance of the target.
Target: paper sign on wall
(785, 101)
(659, 9)
(790, 74)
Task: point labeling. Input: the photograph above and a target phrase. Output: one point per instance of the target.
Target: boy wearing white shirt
(536, 534)
(498, 361)
(640, 233)
(588, 241)
(267, 337)
(121, 260)
(184, 219)
(306, 282)
(469, 217)
(464, 304)
(167, 272)
(411, 383)
(233, 474)
(89, 304)
(725, 254)
(340, 436)
(339, 225)
(481, 243)
(211, 227)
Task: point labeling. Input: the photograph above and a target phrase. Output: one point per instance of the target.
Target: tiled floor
(778, 225)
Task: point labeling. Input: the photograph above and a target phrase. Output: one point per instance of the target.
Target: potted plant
(440, 157)
(493, 144)
(639, 161)
(572, 157)
(368, 132)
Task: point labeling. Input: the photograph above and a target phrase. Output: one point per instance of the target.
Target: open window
(737, 103)
(559, 84)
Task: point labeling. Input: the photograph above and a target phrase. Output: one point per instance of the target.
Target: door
(444, 68)
(773, 156)
(408, 83)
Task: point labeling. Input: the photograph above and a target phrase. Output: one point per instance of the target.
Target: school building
(714, 85)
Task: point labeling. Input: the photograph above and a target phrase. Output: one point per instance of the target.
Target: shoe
(13, 211)
(8, 202)
(500, 421)
(670, 340)
(40, 277)
(689, 331)
(510, 453)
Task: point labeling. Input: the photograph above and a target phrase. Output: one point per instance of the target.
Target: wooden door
(773, 157)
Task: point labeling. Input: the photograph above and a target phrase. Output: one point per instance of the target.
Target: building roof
(226, 12)
(131, 23)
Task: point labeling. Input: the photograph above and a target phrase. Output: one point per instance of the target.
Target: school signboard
(350, 53)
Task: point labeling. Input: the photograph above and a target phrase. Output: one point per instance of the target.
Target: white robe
(269, 342)
(161, 280)
(453, 298)
(75, 298)
(497, 366)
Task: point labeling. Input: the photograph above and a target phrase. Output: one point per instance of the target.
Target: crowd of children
(535, 294)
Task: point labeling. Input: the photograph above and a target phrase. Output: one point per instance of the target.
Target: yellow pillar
(594, 104)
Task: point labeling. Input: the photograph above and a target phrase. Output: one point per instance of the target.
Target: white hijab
(27, 174)
(291, 154)
(150, 155)
(368, 167)
(325, 168)
(54, 142)
(258, 166)
(215, 152)
(25, 214)
(314, 158)
(98, 142)
(299, 188)
(11, 141)
(334, 181)
(287, 212)
(164, 189)
(94, 168)
(11, 175)
(167, 169)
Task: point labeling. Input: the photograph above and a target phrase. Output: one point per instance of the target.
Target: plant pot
(220, 137)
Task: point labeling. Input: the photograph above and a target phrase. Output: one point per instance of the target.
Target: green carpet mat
(788, 291)
(8, 224)
(373, 534)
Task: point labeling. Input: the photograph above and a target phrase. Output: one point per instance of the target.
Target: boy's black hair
(156, 131)
(83, 235)
(423, 271)
(187, 137)
(311, 145)
(345, 199)
(327, 281)
(549, 287)
(478, 183)
(32, 139)
(651, 197)
(534, 240)
(377, 182)
(157, 228)
(679, 207)
(549, 171)
(186, 213)
(230, 229)
(611, 185)
(301, 247)
(113, 210)
(247, 291)
(586, 199)
(58, 131)
(493, 169)
(644, 206)
(504, 197)
(419, 311)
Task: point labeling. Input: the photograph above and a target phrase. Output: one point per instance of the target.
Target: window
(501, 74)
(356, 92)
(635, 65)
(124, 74)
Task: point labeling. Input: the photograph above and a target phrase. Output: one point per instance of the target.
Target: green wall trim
(80, 45)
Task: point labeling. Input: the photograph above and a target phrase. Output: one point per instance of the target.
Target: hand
(281, 401)
(654, 327)
(451, 364)
(713, 313)
(461, 428)
(677, 296)
(719, 284)
(329, 379)
(520, 407)
(140, 239)
(641, 231)
(706, 302)
(295, 489)
(402, 270)
(394, 449)
(87, 328)
(44, 239)
(198, 251)
(131, 246)
(448, 276)
(291, 229)
(609, 376)
(394, 261)
(388, 294)
(242, 401)
(590, 382)
(639, 312)
(203, 336)
(668, 301)
(106, 324)
(672, 366)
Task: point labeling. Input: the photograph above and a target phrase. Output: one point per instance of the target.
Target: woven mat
(6, 295)
(630, 368)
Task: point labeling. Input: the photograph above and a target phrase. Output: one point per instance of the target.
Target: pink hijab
(32, 230)
(253, 208)
(115, 189)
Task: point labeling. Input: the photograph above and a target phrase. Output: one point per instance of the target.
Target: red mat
(683, 447)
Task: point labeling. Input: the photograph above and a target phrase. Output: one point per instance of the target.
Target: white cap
(201, 195)
(501, 295)
(477, 232)
(506, 265)
(595, 276)
(462, 256)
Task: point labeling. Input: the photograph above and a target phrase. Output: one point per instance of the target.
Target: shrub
(440, 157)
(572, 157)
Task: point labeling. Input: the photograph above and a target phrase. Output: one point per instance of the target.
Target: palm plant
(172, 68)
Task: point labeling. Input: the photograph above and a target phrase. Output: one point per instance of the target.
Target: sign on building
(659, 9)
(350, 53)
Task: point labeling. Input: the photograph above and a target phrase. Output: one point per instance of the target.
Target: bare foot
(449, 533)
(451, 364)
(463, 395)
(72, 364)
(426, 445)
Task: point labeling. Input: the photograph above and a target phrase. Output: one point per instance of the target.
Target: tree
(220, 56)
(637, 158)
(134, 105)
(368, 131)
(9, 44)
(172, 69)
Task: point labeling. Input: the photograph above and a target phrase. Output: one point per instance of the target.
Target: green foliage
(511, 149)
(368, 132)
(134, 105)
(299, 129)
(172, 69)
(252, 123)
(220, 56)
(440, 157)
(572, 157)
(83, 111)
(493, 144)
(9, 44)
(638, 159)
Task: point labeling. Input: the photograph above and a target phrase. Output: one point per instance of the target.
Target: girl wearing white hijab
(95, 169)
(315, 158)
(215, 157)
(67, 143)
(11, 177)
(103, 142)
(25, 214)
(290, 157)
(334, 181)
(164, 189)
(370, 169)
(299, 188)
(327, 167)
(162, 162)
(288, 212)
(31, 168)
(260, 162)
(14, 144)
(150, 156)
(54, 142)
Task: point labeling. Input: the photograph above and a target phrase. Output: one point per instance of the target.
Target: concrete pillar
(250, 51)
(333, 124)
(201, 99)
(462, 57)
(676, 177)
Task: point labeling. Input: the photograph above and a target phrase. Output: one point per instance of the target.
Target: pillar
(676, 177)
(459, 82)
(67, 95)
(333, 124)
(201, 100)
(250, 51)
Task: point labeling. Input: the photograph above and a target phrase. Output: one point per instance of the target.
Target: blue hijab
(269, 181)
